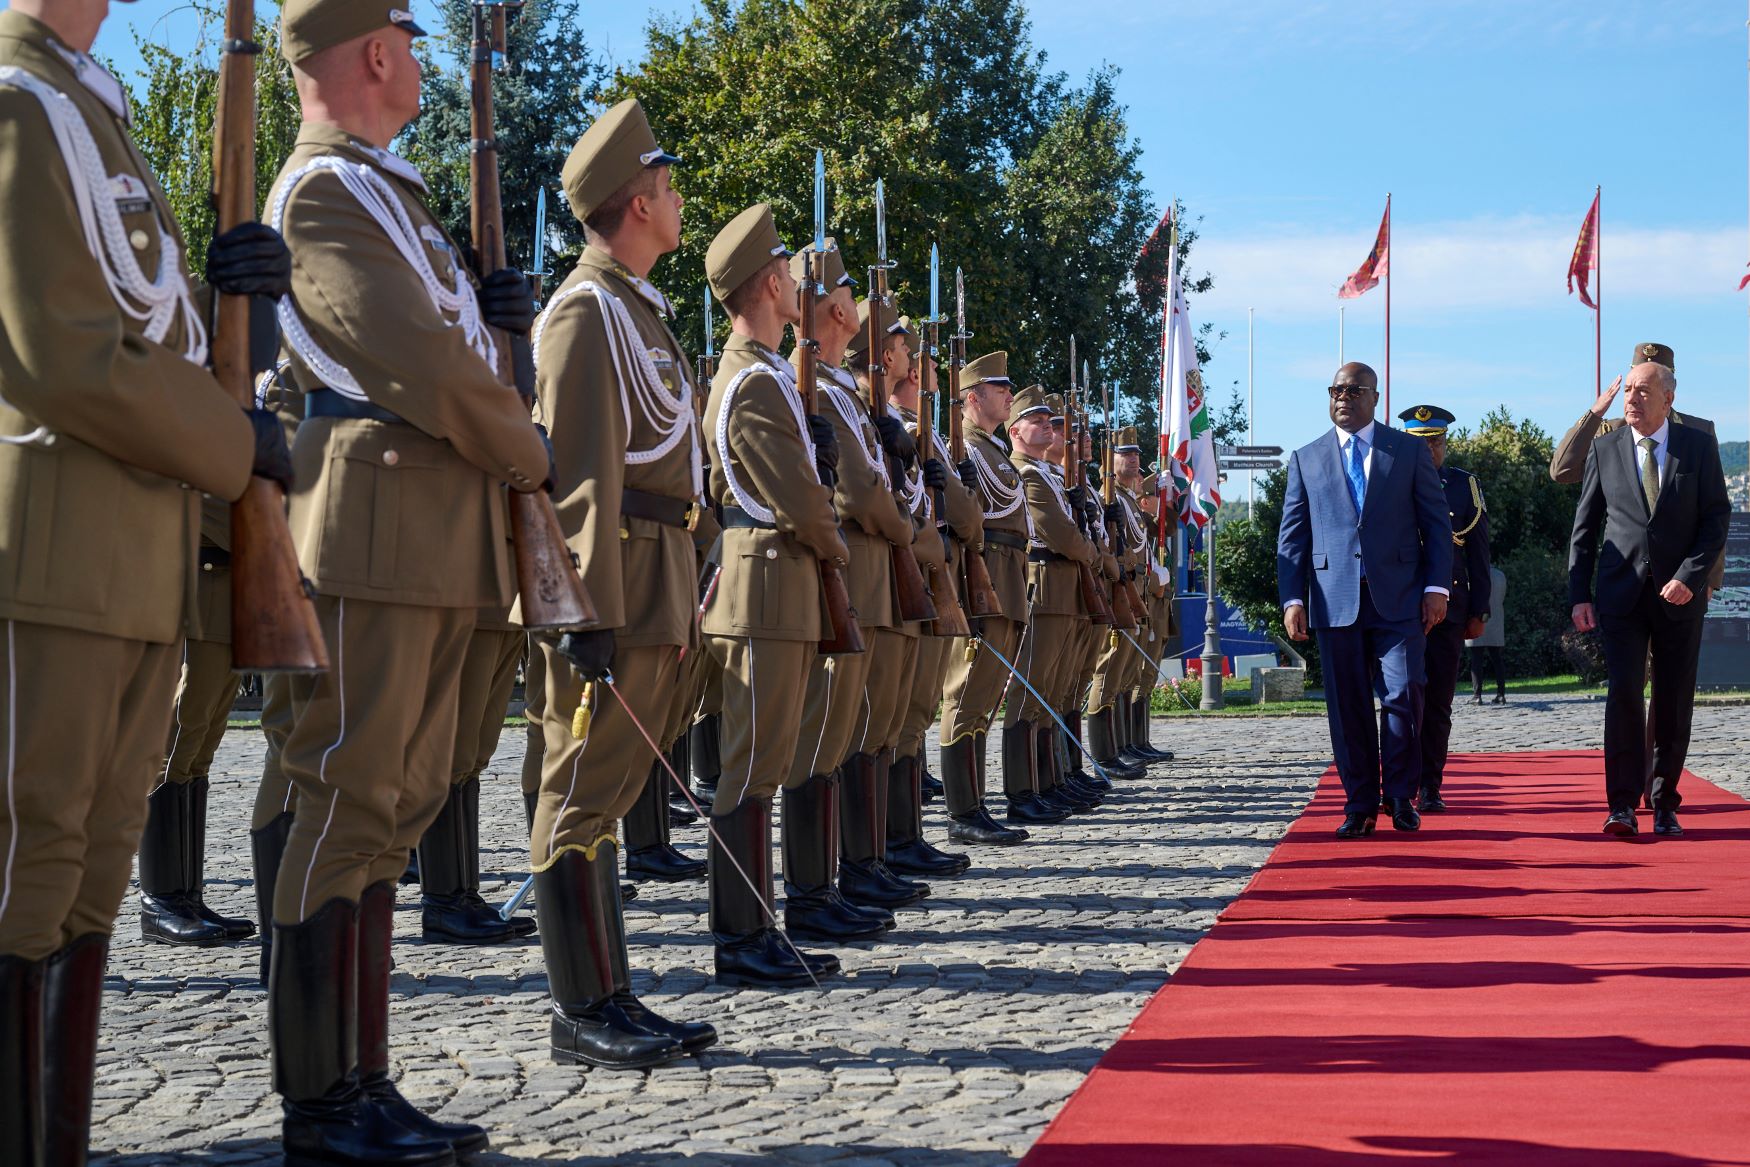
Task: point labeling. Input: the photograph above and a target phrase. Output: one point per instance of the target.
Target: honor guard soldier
(109, 425)
(1466, 609)
(763, 620)
(1138, 486)
(1120, 661)
(977, 668)
(616, 393)
(828, 896)
(408, 429)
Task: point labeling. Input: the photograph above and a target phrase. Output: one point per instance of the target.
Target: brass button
(624, 534)
(390, 457)
(206, 567)
(771, 553)
(139, 239)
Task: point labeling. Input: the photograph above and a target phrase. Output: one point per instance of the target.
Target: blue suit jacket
(1401, 542)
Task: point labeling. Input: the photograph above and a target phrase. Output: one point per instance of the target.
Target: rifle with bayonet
(844, 634)
(981, 593)
(552, 592)
(538, 272)
(274, 628)
(1094, 598)
(1126, 604)
(950, 616)
(910, 590)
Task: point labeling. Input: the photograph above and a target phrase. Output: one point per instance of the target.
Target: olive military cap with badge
(743, 249)
(307, 27)
(617, 147)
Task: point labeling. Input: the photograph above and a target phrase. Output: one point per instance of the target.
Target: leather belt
(736, 517)
(1037, 556)
(1005, 539)
(659, 508)
(325, 402)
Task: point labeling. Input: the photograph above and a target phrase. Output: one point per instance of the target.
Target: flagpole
(1598, 297)
(1388, 266)
(1341, 308)
(1251, 410)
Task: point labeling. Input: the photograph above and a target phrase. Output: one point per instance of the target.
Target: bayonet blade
(1072, 363)
(540, 246)
(935, 284)
(1086, 383)
(709, 340)
(959, 302)
(819, 202)
(880, 223)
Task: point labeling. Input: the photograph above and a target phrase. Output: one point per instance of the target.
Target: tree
(173, 121)
(541, 107)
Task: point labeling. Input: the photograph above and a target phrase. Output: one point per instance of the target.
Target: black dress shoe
(1030, 808)
(764, 961)
(874, 884)
(464, 1138)
(662, 863)
(693, 1035)
(680, 814)
(1622, 824)
(628, 892)
(919, 857)
(1665, 823)
(1432, 803)
(466, 918)
(1403, 814)
(1476, 699)
(1355, 826)
(606, 1038)
(933, 788)
(979, 827)
(1500, 699)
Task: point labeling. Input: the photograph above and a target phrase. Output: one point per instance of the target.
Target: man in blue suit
(1364, 561)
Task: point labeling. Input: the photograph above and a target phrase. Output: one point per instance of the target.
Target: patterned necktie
(1357, 471)
(1649, 473)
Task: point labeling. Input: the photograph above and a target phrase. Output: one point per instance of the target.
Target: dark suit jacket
(1679, 540)
(1402, 540)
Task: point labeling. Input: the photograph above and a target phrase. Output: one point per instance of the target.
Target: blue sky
(1285, 122)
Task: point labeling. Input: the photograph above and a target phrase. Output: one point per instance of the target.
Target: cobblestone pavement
(954, 1042)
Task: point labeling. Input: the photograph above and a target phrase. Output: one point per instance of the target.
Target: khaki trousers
(488, 677)
(204, 695)
(1044, 661)
(588, 783)
(275, 796)
(1113, 670)
(925, 697)
(893, 660)
(83, 719)
(976, 679)
(370, 747)
(832, 709)
(534, 706)
(764, 684)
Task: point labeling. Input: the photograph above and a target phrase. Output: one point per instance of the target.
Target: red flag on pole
(1377, 264)
(1585, 260)
(1743, 283)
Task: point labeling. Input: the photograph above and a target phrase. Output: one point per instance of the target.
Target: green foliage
(1735, 457)
(173, 121)
(1029, 183)
(541, 107)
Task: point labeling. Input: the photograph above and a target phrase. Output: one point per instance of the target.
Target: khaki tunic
(98, 520)
(401, 526)
(1051, 650)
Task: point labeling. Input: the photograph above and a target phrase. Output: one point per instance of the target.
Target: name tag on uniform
(436, 239)
(131, 195)
(664, 365)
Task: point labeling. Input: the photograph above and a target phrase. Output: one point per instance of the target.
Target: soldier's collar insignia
(395, 164)
(99, 81)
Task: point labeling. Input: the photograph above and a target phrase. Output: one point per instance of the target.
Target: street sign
(1248, 451)
(1250, 464)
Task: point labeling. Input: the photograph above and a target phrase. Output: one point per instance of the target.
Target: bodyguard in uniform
(408, 433)
(109, 426)
(616, 392)
(1467, 607)
(763, 620)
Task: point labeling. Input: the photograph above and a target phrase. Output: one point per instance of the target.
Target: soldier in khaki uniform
(1136, 490)
(1054, 617)
(173, 845)
(821, 794)
(408, 434)
(762, 620)
(109, 425)
(976, 676)
(617, 394)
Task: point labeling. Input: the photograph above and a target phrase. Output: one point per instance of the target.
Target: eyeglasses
(1355, 391)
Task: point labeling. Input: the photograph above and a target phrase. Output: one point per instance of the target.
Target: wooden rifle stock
(845, 635)
(911, 593)
(553, 596)
(273, 623)
(950, 617)
(981, 593)
(1094, 597)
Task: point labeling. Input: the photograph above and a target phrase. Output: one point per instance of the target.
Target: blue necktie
(1357, 472)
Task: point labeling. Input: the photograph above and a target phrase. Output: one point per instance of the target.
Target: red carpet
(1507, 986)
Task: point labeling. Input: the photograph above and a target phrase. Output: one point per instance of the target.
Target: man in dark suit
(1364, 559)
(1657, 494)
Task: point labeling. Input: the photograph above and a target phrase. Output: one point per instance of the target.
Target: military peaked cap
(1029, 400)
(743, 249)
(1659, 354)
(1127, 442)
(309, 26)
(617, 147)
(1426, 421)
(990, 368)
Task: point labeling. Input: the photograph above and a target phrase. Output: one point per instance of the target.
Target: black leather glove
(273, 460)
(895, 440)
(935, 474)
(1078, 498)
(1091, 513)
(968, 475)
(250, 260)
(591, 653)
(826, 444)
(507, 301)
(522, 366)
(552, 463)
(1114, 512)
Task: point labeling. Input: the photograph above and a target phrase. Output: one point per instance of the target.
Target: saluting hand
(1601, 404)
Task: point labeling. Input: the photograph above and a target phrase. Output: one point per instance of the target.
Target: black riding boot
(864, 877)
(933, 787)
(704, 743)
(1139, 730)
(577, 898)
(968, 819)
(1076, 738)
(169, 895)
(449, 870)
(1124, 723)
(908, 852)
(376, 931)
(680, 811)
(1020, 780)
(813, 907)
(72, 998)
(649, 854)
(21, 1057)
(236, 927)
(1049, 772)
(267, 846)
(1103, 739)
(750, 949)
(312, 1021)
